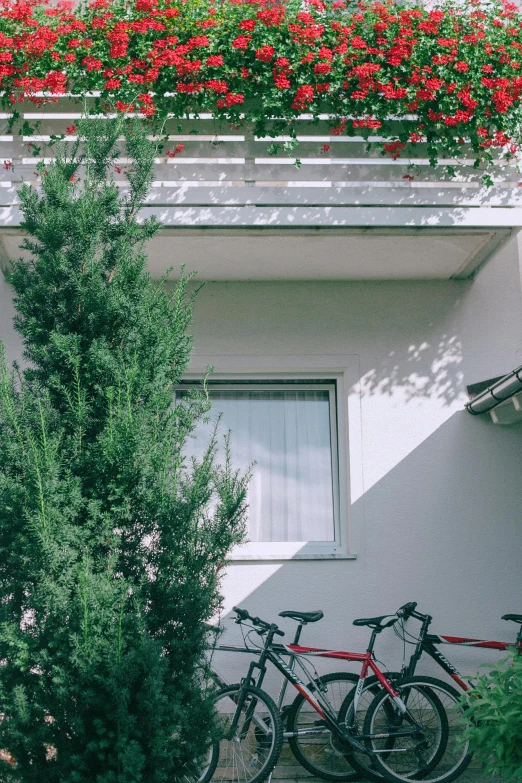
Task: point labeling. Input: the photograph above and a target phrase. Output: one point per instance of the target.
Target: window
(289, 430)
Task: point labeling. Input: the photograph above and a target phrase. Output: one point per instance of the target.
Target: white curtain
(287, 434)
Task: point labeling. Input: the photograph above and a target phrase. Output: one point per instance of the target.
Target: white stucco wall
(438, 519)
(441, 520)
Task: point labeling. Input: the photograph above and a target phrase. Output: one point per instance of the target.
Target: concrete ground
(289, 771)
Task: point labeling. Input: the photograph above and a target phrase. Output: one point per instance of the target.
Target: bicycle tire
(378, 698)
(322, 760)
(359, 762)
(445, 766)
(245, 754)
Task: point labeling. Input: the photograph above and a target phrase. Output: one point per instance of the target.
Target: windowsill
(299, 556)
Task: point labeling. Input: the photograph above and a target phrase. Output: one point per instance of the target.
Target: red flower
(241, 42)
(445, 42)
(172, 153)
(322, 68)
(366, 69)
(92, 64)
(124, 107)
(247, 24)
(394, 148)
(70, 130)
(265, 53)
(281, 81)
(303, 96)
(199, 40)
(272, 17)
(366, 122)
(190, 89)
(232, 98)
(215, 60)
(358, 43)
(215, 85)
(112, 84)
(502, 101)
(461, 65)
(146, 5)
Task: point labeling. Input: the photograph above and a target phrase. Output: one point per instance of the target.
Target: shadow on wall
(443, 527)
(425, 369)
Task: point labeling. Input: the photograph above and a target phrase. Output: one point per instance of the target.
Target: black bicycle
(411, 723)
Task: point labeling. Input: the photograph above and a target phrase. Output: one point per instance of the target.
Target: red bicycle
(457, 756)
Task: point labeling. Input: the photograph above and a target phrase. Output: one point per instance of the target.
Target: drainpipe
(499, 391)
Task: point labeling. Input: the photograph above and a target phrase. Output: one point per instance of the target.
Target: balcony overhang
(252, 253)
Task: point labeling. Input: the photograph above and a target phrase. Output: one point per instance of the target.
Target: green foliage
(494, 710)
(110, 544)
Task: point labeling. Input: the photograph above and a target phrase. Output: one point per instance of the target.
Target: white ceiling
(345, 254)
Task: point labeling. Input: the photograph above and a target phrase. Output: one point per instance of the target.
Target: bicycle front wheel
(249, 742)
(203, 769)
(439, 753)
(312, 744)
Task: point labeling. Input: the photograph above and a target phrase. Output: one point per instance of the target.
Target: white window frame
(342, 373)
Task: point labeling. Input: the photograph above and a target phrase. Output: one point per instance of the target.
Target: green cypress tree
(110, 543)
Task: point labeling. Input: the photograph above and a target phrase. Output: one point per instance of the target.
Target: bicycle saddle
(384, 621)
(303, 617)
(516, 618)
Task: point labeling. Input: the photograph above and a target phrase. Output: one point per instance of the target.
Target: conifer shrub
(111, 544)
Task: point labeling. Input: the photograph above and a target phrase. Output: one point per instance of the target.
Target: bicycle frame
(281, 650)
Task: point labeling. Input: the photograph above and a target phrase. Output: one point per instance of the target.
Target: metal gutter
(498, 392)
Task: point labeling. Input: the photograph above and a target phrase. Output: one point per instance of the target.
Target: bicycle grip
(241, 613)
(407, 609)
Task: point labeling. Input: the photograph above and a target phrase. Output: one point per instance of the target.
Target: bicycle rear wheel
(249, 751)
(311, 742)
(424, 697)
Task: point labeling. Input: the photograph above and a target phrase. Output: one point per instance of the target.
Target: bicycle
(250, 726)
(316, 754)
(457, 756)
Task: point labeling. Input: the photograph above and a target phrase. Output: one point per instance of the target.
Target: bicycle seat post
(298, 631)
(373, 637)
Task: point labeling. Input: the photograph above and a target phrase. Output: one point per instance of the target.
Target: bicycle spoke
(249, 751)
(310, 741)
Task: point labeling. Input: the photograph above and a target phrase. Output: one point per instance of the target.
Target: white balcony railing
(227, 178)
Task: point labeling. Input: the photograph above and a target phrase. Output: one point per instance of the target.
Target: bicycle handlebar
(243, 614)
